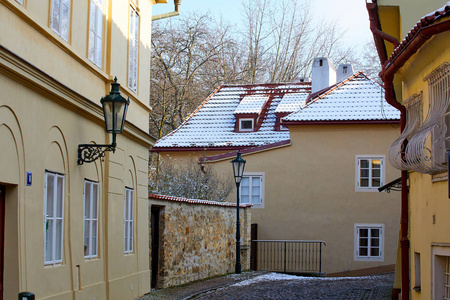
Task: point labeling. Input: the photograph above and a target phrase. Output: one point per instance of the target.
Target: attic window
(344, 70)
(246, 124)
(320, 62)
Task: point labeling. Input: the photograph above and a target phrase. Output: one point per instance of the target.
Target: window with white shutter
(96, 32)
(369, 242)
(90, 219)
(133, 49)
(369, 172)
(60, 18)
(53, 218)
(128, 220)
(252, 189)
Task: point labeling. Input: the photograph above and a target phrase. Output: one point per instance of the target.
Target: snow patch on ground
(279, 276)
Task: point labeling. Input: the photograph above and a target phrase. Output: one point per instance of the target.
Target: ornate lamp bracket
(89, 152)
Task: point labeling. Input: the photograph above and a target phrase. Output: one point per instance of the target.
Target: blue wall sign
(29, 178)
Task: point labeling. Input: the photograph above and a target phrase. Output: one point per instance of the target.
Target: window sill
(370, 190)
(438, 177)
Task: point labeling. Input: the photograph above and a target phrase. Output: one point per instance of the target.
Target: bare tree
(180, 49)
(189, 180)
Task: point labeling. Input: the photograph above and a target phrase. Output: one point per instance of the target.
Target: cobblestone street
(258, 285)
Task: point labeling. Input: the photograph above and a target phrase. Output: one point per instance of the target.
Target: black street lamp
(238, 171)
(114, 111)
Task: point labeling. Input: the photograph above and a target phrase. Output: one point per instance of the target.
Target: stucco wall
(310, 190)
(198, 239)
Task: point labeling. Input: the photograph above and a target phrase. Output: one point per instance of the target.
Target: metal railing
(288, 256)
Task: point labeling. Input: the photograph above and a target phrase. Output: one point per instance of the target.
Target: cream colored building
(416, 76)
(315, 162)
(73, 231)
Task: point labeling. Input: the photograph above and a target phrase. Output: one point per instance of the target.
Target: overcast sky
(350, 14)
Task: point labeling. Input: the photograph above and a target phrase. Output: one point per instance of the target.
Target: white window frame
(96, 32)
(440, 260)
(133, 49)
(90, 222)
(246, 129)
(128, 220)
(63, 18)
(251, 175)
(370, 188)
(53, 222)
(368, 257)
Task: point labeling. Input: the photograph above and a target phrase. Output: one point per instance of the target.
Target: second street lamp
(238, 171)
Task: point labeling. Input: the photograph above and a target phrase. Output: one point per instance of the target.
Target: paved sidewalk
(263, 285)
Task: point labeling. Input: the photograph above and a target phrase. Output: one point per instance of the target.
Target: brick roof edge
(195, 201)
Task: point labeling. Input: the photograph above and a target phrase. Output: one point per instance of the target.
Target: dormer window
(246, 124)
(249, 111)
(344, 70)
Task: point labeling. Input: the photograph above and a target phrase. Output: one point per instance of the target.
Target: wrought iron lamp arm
(90, 152)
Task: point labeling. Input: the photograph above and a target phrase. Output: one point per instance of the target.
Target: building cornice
(35, 79)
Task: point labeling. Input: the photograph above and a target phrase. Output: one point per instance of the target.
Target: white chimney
(323, 74)
(344, 71)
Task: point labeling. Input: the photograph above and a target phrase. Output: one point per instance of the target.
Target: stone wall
(197, 239)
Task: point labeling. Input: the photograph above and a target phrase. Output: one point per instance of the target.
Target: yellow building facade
(73, 231)
(418, 70)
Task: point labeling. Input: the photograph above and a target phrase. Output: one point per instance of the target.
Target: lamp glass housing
(238, 167)
(114, 109)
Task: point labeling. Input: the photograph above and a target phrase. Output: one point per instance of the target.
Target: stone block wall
(197, 239)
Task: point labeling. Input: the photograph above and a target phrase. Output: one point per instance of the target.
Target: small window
(252, 189)
(344, 69)
(90, 219)
(369, 172)
(96, 32)
(60, 18)
(128, 220)
(417, 273)
(369, 242)
(133, 51)
(246, 124)
(53, 218)
(321, 62)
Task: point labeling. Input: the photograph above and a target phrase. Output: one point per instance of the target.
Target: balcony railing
(294, 257)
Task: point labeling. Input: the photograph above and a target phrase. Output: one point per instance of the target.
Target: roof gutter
(170, 14)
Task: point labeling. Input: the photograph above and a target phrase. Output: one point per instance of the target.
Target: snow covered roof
(251, 104)
(292, 102)
(213, 124)
(355, 99)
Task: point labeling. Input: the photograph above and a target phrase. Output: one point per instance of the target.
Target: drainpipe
(389, 94)
(390, 69)
(170, 14)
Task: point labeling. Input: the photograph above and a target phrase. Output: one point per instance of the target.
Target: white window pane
(364, 163)
(56, 10)
(50, 194)
(363, 252)
(60, 195)
(98, 54)
(87, 200)
(256, 181)
(245, 199)
(86, 238)
(376, 163)
(245, 181)
(94, 238)
(256, 199)
(364, 173)
(49, 240)
(376, 182)
(364, 183)
(92, 13)
(245, 191)
(65, 21)
(58, 241)
(95, 201)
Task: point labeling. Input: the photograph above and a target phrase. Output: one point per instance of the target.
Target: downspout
(389, 95)
(170, 14)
